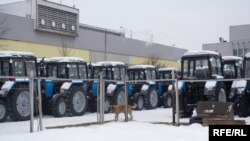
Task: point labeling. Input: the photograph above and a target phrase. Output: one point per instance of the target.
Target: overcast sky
(182, 23)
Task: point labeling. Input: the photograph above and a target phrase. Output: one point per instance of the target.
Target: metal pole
(40, 105)
(31, 89)
(126, 101)
(177, 103)
(98, 102)
(173, 108)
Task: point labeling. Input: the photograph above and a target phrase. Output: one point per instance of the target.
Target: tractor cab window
(165, 75)
(108, 73)
(4, 68)
(150, 74)
(215, 66)
(136, 75)
(195, 68)
(247, 68)
(123, 73)
(188, 69)
(96, 72)
(229, 70)
(73, 72)
(30, 67)
(62, 71)
(117, 73)
(18, 68)
(82, 72)
(52, 71)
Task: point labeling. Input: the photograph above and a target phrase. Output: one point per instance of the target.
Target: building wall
(239, 32)
(22, 29)
(41, 50)
(224, 48)
(238, 45)
(22, 8)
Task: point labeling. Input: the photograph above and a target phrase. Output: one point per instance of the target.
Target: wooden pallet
(211, 121)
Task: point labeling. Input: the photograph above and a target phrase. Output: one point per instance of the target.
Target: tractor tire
(167, 100)
(19, 105)
(76, 102)
(119, 97)
(59, 106)
(151, 99)
(221, 95)
(3, 111)
(139, 101)
(241, 107)
(107, 105)
(187, 110)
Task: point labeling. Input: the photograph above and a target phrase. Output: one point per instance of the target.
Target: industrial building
(238, 44)
(50, 29)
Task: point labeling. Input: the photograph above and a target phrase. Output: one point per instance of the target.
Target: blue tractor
(200, 65)
(114, 91)
(14, 93)
(143, 93)
(165, 97)
(63, 91)
(240, 91)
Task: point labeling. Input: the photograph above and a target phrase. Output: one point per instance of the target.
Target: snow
(141, 128)
(210, 84)
(109, 63)
(231, 58)
(240, 85)
(247, 55)
(141, 67)
(66, 85)
(65, 59)
(144, 87)
(202, 52)
(111, 88)
(168, 69)
(15, 53)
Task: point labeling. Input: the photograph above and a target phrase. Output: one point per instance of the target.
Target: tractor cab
(64, 90)
(232, 67)
(240, 91)
(114, 90)
(165, 96)
(200, 65)
(143, 93)
(19, 66)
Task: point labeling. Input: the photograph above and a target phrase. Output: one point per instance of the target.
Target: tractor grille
(195, 92)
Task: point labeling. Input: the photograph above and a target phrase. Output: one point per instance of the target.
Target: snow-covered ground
(140, 129)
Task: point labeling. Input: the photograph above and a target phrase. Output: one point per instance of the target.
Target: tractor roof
(232, 58)
(168, 69)
(141, 67)
(201, 52)
(15, 54)
(65, 59)
(109, 63)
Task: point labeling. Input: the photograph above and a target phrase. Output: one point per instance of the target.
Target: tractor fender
(67, 85)
(237, 88)
(7, 86)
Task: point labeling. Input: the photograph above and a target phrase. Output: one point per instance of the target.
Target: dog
(117, 109)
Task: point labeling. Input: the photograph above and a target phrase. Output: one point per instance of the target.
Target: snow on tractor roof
(201, 52)
(66, 59)
(15, 53)
(141, 67)
(247, 55)
(227, 58)
(168, 69)
(109, 63)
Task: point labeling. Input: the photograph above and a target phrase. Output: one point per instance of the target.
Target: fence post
(126, 101)
(100, 101)
(40, 105)
(177, 103)
(31, 90)
(174, 107)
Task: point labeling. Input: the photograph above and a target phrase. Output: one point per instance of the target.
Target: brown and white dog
(121, 108)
